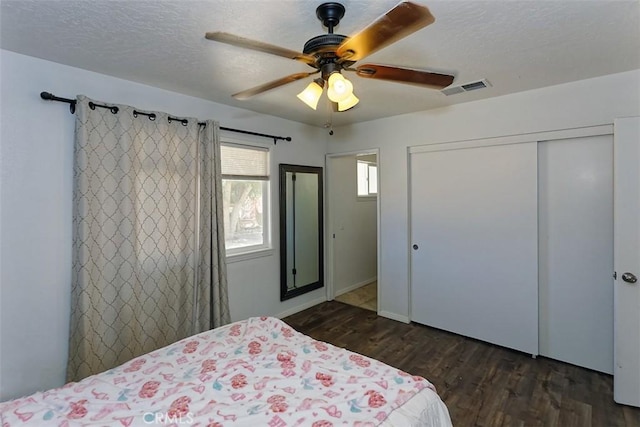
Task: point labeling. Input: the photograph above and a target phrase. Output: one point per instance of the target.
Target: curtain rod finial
(48, 96)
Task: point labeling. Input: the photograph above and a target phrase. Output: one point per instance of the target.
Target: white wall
(583, 103)
(354, 224)
(36, 158)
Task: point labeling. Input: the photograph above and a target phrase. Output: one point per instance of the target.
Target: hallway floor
(364, 297)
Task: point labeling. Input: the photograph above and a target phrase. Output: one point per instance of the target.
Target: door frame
(330, 219)
(626, 236)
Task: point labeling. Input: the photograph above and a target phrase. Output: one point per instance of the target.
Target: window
(367, 172)
(245, 192)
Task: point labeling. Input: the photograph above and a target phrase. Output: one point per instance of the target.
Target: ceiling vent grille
(467, 87)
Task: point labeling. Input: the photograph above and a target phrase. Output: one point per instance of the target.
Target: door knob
(415, 247)
(629, 278)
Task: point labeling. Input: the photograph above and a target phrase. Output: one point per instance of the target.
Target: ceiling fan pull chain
(329, 123)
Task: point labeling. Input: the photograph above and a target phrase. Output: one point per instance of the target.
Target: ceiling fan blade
(271, 85)
(259, 46)
(405, 75)
(404, 19)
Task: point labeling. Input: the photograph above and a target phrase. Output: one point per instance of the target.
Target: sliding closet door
(474, 230)
(575, 178)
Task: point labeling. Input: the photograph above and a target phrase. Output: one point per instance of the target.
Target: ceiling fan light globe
(334, 77)
(339, 88)
(350, 102)
(311, 95)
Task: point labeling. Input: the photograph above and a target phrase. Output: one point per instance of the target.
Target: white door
(626, 384)
(575, 208)
(474, 263)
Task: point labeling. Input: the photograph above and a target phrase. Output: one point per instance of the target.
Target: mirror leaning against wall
(301, 230)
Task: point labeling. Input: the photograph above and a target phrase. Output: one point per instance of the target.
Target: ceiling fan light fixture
(339, 87)
(312, 93)
(350, 102)
(331, 53)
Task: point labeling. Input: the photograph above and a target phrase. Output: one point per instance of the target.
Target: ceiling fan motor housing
(323, 42)
(324, 46)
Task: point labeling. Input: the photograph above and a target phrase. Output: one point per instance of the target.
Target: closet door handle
(629, 277)
(415, 247)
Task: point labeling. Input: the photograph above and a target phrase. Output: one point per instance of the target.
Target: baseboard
(393, 316)
(355, 286)
(301, 307)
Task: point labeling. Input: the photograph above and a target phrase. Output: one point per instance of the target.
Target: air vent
(467, 87)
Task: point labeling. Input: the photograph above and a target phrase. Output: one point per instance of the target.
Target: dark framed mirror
(301, 230)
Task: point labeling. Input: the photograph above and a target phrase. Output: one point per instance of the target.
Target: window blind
(244, 162)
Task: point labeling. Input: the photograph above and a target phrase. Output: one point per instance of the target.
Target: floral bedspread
(250, 373)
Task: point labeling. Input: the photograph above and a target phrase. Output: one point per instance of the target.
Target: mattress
(250, 373)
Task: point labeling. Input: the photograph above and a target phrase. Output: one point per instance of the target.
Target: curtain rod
(72, 107)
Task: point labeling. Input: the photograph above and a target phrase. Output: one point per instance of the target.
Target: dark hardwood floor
(482, 384)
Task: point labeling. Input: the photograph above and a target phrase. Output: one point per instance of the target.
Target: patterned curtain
(149, 261)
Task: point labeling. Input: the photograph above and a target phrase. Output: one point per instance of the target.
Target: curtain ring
(175, 119)
(151, 116)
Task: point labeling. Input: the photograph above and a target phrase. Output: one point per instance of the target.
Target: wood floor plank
(482, 384)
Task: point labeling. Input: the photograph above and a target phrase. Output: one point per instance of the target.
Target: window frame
(266, 248)
(369, 195)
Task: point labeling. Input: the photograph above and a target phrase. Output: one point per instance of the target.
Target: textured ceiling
(516, 45)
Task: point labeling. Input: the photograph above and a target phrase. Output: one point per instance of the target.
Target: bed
(256, 372)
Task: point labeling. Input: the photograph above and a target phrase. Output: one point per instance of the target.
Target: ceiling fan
(330, 53)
